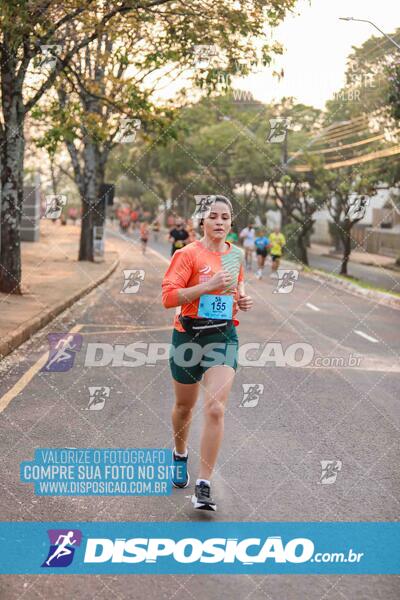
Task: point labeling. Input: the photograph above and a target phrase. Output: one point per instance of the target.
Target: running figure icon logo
(98, 396)
(54, 205)
(357, 208)
(63, 347)
(330, 470)
(205, 56)
(127, 130)
(203, 206)
(132, 280)
(62, 547)
(251, 394)
(47, 60)
(286, 280)
(278, 129)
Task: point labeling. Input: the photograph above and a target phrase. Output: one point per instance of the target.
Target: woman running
(144, 235)
(206, 280)
(247, 235)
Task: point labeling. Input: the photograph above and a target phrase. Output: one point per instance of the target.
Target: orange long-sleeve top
(196, 264)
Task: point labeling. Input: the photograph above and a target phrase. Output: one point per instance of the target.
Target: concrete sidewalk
(362, 258)
(52, 280)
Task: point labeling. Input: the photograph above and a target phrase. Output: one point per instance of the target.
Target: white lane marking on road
(366, 336)
(151, 250)
(28, 376)
(312, 306)
(127, 330)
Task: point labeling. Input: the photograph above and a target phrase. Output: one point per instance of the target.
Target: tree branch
(63, 63)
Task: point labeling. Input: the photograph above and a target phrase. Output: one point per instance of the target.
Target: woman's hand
(245, 302)
(219, 281)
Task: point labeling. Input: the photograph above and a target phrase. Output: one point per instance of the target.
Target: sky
(317, 44)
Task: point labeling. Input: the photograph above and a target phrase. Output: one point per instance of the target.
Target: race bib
(215, 306)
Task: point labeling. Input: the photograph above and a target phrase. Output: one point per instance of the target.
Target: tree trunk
(285, 217)
(302, 247)
(347, 248)
(92, 177)
(11, 164)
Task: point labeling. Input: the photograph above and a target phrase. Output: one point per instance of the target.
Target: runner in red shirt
(144, 235)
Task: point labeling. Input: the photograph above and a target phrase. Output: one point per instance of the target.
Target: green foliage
(291, 232)
(394, 90)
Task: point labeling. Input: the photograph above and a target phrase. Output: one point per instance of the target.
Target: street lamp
(373, 25)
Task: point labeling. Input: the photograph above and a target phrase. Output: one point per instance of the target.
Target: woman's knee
(215, 410)
(183, 409)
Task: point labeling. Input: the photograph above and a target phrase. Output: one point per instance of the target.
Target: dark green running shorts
(190, 356)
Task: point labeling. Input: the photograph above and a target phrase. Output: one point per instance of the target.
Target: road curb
(390, 267)
(382, 297)
(27, 329)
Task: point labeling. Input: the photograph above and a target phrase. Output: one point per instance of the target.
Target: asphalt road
(376, 276)
(269, 466)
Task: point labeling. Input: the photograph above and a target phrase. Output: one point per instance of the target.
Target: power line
(354, 144)
(353, 161)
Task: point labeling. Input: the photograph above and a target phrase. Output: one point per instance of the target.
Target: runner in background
(156, 229)
(124, 220)
(134, 218)
(73, 214)
(232, 237)
(144, 235)
(171, 221)
(247, 235)
(277, 243)
(262, 244)
(178, 236)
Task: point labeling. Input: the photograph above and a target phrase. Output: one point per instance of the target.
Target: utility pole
(284, 158)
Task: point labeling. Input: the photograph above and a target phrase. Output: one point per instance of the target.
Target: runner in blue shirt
(262, 244)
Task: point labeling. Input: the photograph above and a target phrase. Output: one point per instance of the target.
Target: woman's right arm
(174, 286)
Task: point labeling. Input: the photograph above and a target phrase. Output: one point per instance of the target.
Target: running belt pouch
(204, 326)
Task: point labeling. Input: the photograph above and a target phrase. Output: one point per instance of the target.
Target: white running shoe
(202, 499)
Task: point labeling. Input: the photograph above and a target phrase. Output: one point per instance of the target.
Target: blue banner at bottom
(200, 548)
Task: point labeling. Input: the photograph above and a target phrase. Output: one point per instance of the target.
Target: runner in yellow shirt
(277, 241)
